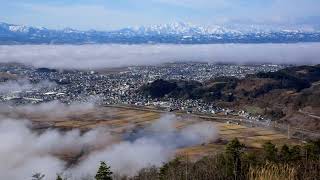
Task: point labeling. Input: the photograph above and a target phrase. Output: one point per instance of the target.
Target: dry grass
(197, 152)
(273, 172)
(253, 138)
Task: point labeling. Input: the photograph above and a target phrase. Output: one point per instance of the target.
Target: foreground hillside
(290, 95)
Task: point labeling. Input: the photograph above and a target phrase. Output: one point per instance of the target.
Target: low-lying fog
(25, 151)
(103, 56)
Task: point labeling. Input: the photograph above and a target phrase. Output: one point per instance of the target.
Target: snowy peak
(181, 29)
(176, 28)
(175, 33)
(20, 28)
(70, 30)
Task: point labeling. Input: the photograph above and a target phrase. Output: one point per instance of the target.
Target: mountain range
(174, 33)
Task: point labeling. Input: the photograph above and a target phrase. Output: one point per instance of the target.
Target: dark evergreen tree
(59, 177)
(295, 153)
(285, 154)
(270, 152)
(234, 151)
(104, 172)
(312, 150)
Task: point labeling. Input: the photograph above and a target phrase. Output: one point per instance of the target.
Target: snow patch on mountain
(176, 33)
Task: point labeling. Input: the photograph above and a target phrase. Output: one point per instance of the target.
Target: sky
(114, 14)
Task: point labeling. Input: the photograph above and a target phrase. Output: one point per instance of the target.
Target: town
(25, 84)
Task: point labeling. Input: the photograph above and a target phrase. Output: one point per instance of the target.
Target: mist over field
(106, 56)
(23, 85)
(32, 151)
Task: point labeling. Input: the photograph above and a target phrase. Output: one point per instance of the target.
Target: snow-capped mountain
(20, 28)
(181, 29)
(176, 33)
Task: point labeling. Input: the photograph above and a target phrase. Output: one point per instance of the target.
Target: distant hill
(175, 33)
(5, 76)
(290, 95)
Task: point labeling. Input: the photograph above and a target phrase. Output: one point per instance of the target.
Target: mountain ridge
(174, 33)
(289, 95)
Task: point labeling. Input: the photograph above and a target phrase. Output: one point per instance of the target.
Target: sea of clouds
(115, 55)
(26, 151)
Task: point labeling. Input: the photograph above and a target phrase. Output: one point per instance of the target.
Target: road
(296, 133)
(309, 114)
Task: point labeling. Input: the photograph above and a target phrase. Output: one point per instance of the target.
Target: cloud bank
(26, 152)
(23, 85)
(31, 152)
(108, 56)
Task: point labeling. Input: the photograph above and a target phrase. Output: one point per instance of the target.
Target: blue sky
(113, 14)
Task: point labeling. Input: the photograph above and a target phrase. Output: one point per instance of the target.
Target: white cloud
(104, 56)
(23, 85)
(26, 152)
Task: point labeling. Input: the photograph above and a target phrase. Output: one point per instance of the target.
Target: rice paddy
(122, 120)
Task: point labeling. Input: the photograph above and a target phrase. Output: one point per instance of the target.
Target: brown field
(253, 138)
(122, 120)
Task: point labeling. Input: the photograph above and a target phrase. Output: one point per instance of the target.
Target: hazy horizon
(116, 55)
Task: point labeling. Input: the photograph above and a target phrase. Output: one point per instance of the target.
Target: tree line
(236, 162)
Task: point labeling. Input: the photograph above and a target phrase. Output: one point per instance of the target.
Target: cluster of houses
(121, 87)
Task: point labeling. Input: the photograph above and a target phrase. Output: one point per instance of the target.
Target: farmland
(123, 120)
